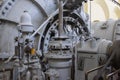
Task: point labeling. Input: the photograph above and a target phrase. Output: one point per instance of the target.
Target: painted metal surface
(10, 13)
(50, 22)
(107, 29)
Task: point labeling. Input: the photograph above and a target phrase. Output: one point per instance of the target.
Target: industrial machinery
(51, 40)
(110, 29)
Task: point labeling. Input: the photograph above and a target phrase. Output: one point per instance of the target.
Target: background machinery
(51, 40)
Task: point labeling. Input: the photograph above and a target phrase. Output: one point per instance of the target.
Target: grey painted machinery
(50, 40)
(106, 29)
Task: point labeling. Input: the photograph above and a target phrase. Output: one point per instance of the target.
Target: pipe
(60, 18)
(92, 70)
(28, 75)
(46, 21)
(8, 60)
(111, 74)
(107, 63)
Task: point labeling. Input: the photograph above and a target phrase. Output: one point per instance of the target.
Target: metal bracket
(92, 70)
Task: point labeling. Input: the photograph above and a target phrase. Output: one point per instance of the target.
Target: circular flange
(72, 25)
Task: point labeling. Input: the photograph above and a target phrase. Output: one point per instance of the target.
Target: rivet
(9, 3)
(6, 8)
(3, 13)
(13, 0)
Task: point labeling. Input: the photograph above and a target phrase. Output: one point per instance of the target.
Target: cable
(115, 2)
